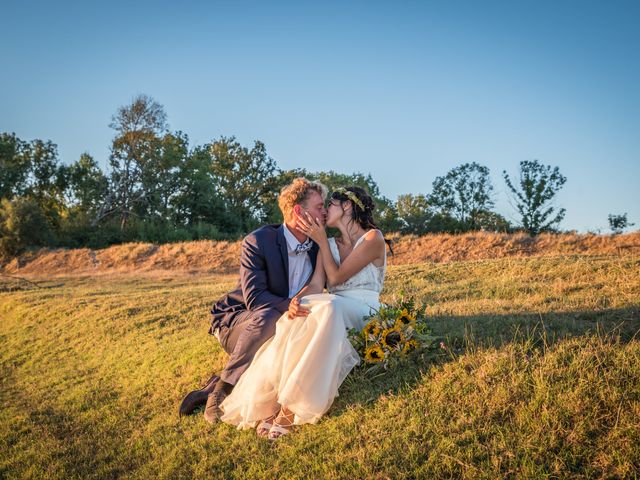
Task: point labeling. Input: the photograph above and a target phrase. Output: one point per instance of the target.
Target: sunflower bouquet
(392, 332)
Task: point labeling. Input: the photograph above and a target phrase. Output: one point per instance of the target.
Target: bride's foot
(281, 425)
(265, 426)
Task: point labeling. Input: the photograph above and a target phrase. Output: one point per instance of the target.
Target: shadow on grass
(18, 284)
(462, 334)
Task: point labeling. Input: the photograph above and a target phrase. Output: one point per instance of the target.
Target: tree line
(159, 189)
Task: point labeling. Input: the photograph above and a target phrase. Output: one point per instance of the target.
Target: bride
(294, 377)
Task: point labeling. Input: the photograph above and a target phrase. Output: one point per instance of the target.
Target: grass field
(540, 378)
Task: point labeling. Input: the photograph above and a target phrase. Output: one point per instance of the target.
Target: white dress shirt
(299, 265)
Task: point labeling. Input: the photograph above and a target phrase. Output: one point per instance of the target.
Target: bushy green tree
(534, 193)
(244, 179)
(493, 222)
(22, 225)
(414, 213)
(33, 170)
(160, 177)
(197, 204)
(87, 186)
(463, 193)
(15, 165)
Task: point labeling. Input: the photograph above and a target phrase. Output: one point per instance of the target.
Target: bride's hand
(312, 228)
(295, 310)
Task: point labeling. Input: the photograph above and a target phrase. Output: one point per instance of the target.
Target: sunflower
(391, 337)
(405, 318)
(399, 325)
(374, 354)
(410, 345)
(371, 328)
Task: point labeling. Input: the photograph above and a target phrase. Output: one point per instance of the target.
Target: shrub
(22, 225)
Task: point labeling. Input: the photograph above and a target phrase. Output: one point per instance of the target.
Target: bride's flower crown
(351, 196)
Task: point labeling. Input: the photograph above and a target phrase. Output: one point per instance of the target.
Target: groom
(276, 261)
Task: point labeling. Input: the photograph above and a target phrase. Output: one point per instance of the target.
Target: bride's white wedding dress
(303, 365)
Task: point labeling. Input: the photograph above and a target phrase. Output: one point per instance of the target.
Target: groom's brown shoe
(197, 398)
(212, 411)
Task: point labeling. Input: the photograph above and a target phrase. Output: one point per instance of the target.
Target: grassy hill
(208, 256)
(539, 378)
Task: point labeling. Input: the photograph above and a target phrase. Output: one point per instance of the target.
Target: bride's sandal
(265, 426)
(279, 428)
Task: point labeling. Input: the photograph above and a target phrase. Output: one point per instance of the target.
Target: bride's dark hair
(363, 207)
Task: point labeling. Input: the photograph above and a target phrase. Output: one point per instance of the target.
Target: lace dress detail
(369, 278)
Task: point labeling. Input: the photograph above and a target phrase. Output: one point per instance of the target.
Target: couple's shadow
(464, 334)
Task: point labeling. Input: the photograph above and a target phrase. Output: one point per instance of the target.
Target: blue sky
(402, 90)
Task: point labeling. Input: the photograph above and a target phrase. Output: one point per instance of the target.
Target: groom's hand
(295, 310)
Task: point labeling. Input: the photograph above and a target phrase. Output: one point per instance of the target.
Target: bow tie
(303, 248)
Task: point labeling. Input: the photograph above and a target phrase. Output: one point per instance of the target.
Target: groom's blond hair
(298, 192)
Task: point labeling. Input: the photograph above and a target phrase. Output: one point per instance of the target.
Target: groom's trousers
(242, 339)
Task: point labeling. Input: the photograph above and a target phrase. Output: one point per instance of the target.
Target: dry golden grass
(222, 257)
(486, 245)
(203, 256)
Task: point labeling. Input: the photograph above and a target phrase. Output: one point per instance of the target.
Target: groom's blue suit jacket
(264, 276)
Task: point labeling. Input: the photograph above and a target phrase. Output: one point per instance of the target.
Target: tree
(197, 201)
(244, 178)
(139, 127)
(619, 223)
(15, 165)
(30, 169)
(536, 189)
(463, 193)
(493, 222)
(45, 170)
(414, 213)
(87, 186)
(22, 225)
(33, 170)
(160, 177)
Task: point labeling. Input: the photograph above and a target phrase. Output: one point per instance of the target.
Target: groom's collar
(292, 241)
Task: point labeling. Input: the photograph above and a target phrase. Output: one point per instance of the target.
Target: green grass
(540, 378)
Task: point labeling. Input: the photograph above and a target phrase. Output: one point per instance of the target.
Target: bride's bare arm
(369, 250)
(315, 285)
(318, 279)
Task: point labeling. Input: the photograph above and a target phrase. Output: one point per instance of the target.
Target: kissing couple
(286, 339)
